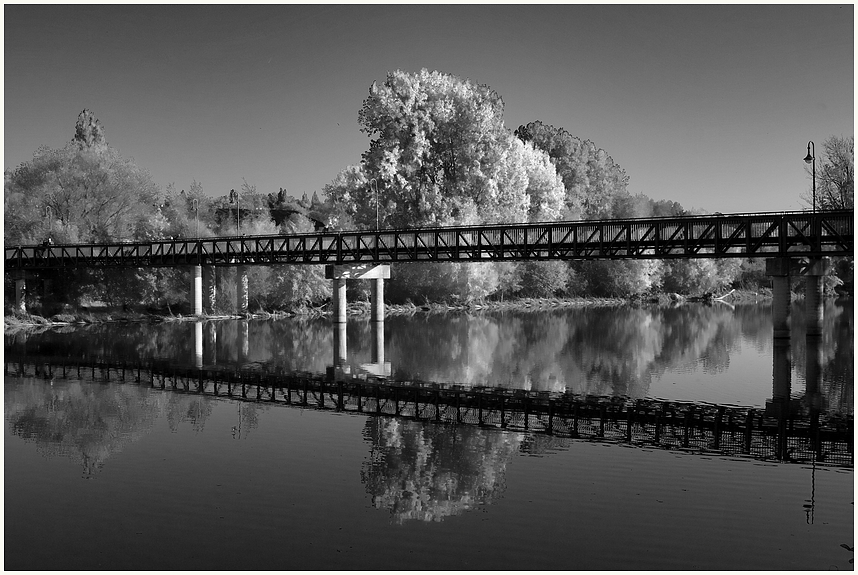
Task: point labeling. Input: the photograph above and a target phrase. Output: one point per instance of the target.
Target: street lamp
(373, 185)
(49, 215)
(810, 158)
(235, 198)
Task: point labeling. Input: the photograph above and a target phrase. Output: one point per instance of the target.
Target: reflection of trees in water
(90, 422)
(426, 471)
(598, 351)
(589, 350)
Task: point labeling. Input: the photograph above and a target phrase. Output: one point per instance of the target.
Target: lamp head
(809, 157)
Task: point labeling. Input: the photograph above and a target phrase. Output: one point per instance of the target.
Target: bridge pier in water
(210, 282)
(342, 273)
(242, 293)
(198, 290)
(779, 270)
(20, 293)
(813, 304)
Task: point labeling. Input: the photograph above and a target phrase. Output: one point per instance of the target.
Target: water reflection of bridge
(784, 431)
(339, 368)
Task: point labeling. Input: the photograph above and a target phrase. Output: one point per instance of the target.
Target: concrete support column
(378, 299)
(198, 290)
(778, 270)
(341, 349)
(241, 290)
(20, 294)
(813, 304)
(211, 288)
(341, 273)
(339, 297)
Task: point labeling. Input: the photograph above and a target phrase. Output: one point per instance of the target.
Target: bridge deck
(720, 236)
(673, 425)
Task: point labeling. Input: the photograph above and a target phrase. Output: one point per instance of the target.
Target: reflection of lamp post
(235, 198)
(373, 185)
(195, 205)
(810, 158)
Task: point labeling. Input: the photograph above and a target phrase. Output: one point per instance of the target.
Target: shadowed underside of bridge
(783, 234)
(673, 425)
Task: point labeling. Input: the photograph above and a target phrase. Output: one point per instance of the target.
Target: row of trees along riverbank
(439, 154)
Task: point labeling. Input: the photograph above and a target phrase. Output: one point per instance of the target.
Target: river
(111, 475)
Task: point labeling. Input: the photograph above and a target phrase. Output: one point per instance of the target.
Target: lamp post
(235, 198)
(373, 185)
(49, 215)
(195, 205)
(810, 158)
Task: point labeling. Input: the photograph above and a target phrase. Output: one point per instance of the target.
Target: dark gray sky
(711, 106)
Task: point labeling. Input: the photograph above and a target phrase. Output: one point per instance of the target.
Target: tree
(835, 175)
(88, 131)
(83, 192)
(439, 152)
(592, 181)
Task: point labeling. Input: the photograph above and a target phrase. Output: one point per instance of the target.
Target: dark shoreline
(89, 316)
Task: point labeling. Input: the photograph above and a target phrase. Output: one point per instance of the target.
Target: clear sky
(710, 106)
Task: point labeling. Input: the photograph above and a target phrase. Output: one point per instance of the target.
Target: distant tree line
(439, 154)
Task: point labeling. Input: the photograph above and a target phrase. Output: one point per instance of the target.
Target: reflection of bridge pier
(198, 343)
(340, 274)
(781, 406)
(377, 367)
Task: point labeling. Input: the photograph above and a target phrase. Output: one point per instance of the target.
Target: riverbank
(96, 315)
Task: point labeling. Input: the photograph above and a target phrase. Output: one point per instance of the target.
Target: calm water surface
(121, 476)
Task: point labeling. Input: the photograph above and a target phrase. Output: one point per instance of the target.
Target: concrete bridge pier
(779, 270)
(210, 282)
(813, 304)
(198, 290)
(20, 293)
(242, 290)
(339, 301)
(342, 273)
(340, 344)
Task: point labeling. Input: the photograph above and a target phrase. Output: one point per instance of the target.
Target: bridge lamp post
(49, 215)
(810, 158)
(235, 198)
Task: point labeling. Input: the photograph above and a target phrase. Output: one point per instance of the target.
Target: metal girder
(781, 234)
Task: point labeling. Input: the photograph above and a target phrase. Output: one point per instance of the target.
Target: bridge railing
(734, 235)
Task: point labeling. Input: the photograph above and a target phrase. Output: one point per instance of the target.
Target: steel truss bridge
(782, 234)
(697, 428)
